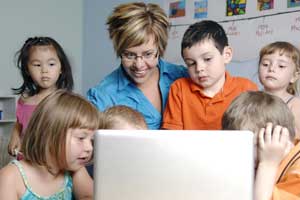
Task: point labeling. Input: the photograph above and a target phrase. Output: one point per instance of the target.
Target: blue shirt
(117, 89)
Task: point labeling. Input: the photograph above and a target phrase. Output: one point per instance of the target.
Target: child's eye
(36, 65)
(81, 138)
(265, 64)
(52, 64)
(207, 59)
(190, 64)
(282, 66)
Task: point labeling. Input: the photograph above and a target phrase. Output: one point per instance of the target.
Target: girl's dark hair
(65, 80)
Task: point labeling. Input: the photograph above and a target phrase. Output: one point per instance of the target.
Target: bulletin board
(249, 25)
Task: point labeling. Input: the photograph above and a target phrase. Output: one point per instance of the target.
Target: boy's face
(206, 65)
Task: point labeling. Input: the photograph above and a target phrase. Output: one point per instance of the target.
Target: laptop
(173, 165)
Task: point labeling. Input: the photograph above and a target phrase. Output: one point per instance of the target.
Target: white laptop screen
(173, 165)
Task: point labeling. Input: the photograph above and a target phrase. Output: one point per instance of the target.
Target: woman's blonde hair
(44, 142)
(133, 24)
(116, 115)
(289, 50)
(254, 109)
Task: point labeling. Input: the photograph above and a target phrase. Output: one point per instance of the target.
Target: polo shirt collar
(124, 81)
(228, 85)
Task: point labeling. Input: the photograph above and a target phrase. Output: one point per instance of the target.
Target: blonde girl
(56, 147)
(279, 69)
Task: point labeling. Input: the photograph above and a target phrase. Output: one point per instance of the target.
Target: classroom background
(79, 26)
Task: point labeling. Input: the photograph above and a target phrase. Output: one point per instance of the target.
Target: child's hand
(273, 144)
(13, 145)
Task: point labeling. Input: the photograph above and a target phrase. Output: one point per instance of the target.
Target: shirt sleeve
(172, 117)
(288, 188)
(251, 86)
(99, 98)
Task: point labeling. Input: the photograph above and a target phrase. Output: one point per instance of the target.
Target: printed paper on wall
(236, 7)
(200, 9)
(293, 3)
(265, 4)
(177, 9)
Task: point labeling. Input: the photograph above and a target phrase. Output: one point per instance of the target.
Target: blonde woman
(139, 33)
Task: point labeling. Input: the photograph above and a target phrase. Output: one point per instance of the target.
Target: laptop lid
(173, 165)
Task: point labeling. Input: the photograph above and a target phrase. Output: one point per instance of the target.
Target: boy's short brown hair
(254, 109)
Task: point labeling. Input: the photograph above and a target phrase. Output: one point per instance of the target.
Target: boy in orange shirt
(199, 102)
(277, 158)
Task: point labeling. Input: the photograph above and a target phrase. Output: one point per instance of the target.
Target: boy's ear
(227, 54)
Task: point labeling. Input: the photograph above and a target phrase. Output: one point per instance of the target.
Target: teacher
(139, 33)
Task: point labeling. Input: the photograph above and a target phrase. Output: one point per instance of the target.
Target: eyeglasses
(147, 56)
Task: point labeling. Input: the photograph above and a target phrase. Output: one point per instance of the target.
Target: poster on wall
(293, 3)
(265, 4)
(235, 7)
(177, 9)
(200, 9)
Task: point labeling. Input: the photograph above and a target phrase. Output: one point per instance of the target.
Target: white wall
(79, 26)
(246, 36)
(62, 20)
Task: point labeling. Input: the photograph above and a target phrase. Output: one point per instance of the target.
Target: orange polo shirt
(188, 108)
(287, 186)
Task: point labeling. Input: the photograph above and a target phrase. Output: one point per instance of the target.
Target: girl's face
(79, 147)
(44, 66)
(140, 62)
(277, 71)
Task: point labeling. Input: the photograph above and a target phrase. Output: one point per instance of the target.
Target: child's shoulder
(244, 82)
(181, 82)
(294, 102)
(26, 99)
(10, 168)
(30, 100)
(10, 175)
(11, 182)
(242, 79)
